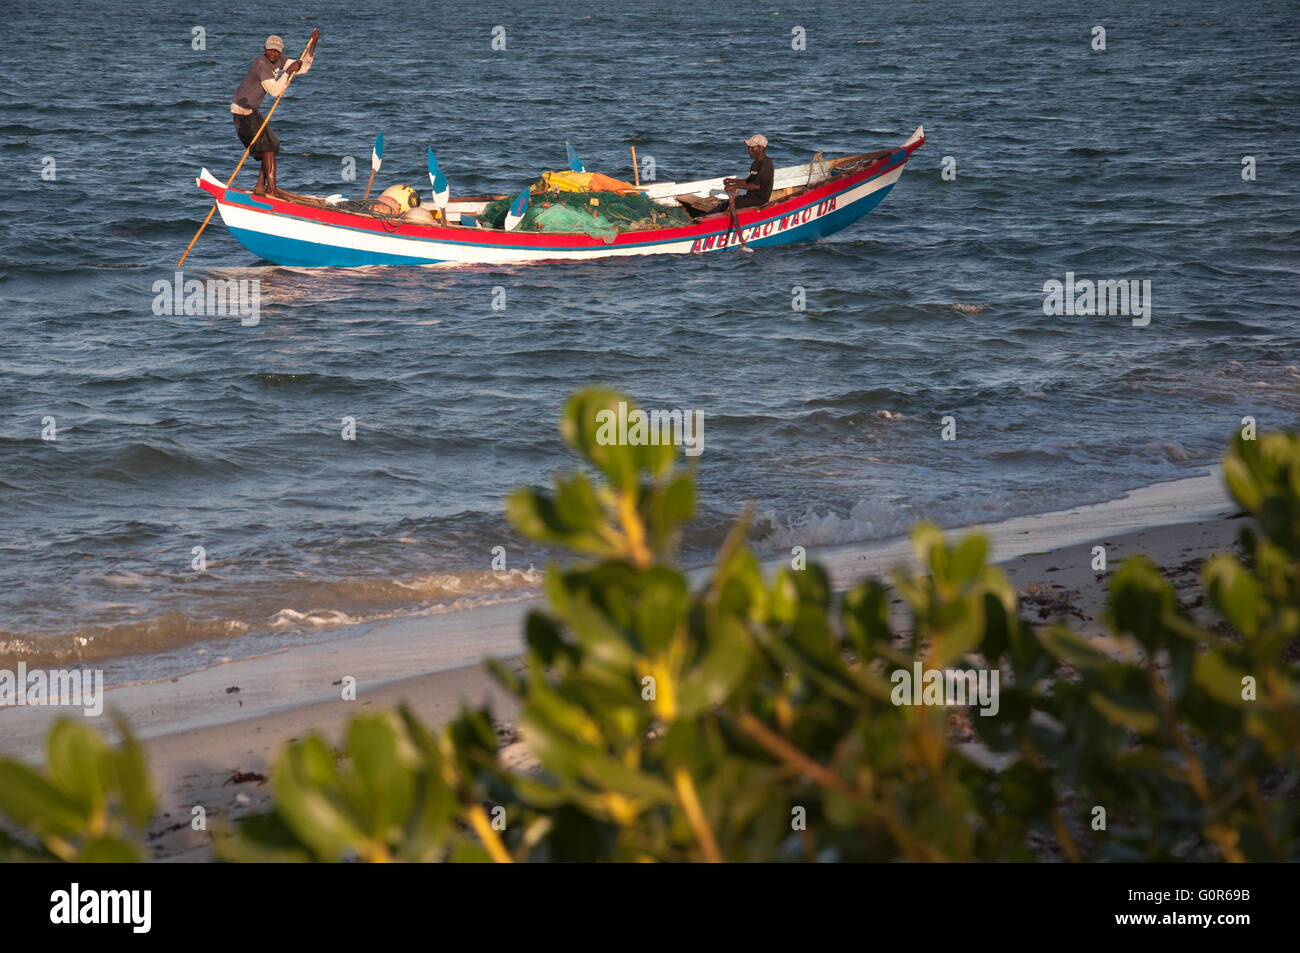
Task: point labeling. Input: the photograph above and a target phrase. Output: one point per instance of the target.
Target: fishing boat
(808, 202)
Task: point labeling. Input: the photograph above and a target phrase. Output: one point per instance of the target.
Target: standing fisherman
(263, 77)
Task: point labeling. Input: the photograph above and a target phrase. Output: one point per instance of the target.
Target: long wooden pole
(635, 171)
(242, 158)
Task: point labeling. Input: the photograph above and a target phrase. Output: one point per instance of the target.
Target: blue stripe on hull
(828, 223)
(300, 254)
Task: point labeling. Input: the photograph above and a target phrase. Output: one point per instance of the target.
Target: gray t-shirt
(250, 93)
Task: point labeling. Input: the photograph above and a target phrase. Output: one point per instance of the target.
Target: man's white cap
(274, 42)
(757, 140)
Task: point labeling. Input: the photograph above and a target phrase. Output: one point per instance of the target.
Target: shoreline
(393, 650)
(211, 735)
(162, 663)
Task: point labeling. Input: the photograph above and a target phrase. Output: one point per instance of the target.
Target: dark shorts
(247, 127)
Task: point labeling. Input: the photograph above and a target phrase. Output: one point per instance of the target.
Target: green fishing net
(568, 213)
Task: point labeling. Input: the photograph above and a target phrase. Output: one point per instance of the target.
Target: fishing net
(366, 207)
(601, 214)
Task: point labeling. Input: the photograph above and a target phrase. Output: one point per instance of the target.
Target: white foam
(316, 618)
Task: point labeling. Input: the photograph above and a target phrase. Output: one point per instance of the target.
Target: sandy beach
(211, 735)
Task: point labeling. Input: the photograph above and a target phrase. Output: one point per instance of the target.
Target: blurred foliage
(91, 804)
(750, 717)
(401, 794)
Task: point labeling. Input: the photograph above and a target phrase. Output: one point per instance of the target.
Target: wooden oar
(311, 45)
(376, 159)
(441, 190)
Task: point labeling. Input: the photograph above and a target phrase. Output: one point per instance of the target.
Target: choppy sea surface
(174, 432)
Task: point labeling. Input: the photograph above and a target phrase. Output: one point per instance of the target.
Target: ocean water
(174, 432)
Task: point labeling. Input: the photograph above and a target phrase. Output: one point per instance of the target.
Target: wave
(349, 602)
(143, 461)
(865, 521)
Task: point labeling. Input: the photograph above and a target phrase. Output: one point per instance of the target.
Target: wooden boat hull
(289, 231)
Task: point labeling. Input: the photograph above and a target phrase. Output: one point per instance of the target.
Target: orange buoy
(403, 197)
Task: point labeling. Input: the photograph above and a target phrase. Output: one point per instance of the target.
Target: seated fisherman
(757, 188)
(264, 77)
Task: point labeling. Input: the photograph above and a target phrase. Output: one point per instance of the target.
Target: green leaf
(865, 615)
(77, 760)
(784, 602)
(595, 632)
(968, 558)
(590, 425)
(34, 803)
(660, 610)
(928, 544)
(640, 786)
(109, 850)
(559, 521)
(308, 795)
(1140, 599)
(1129, 712)
(962, 630)
(1241, 482)
(262, 839)
(724, 666)
(469, 852)
(381, 765)
(131, 777)
(1000, 625)
(564, 714)
(671, 507)
(1221, 678)
(577, 508)
(1236, 593)
(1069, 646)
(542, 634)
